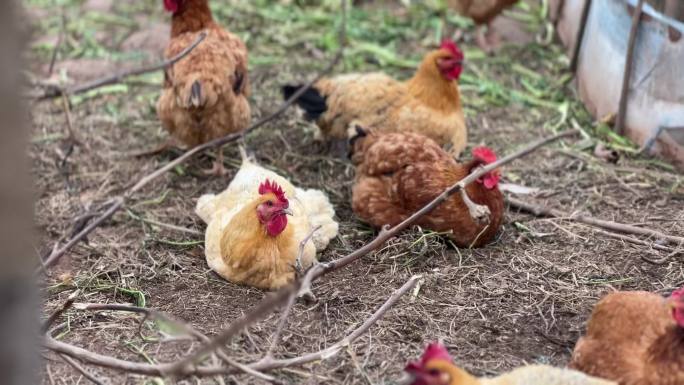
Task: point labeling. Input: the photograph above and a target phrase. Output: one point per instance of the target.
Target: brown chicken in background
(428, 103)
(436, 367)
(399, 173)
(205, 94)
(634, 338)
(483, 12)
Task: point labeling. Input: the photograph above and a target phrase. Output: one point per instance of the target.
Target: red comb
(484, 154)
(272, 187)
(434, 351)
(171, 5)
(452, 47)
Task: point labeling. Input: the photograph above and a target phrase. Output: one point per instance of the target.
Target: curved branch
(180, 367)
(52, 92)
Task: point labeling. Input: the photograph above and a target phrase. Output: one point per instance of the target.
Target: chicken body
(427, 103)
(239, 249)
(436, 367)
(632, 338)
(399, 173)
(544, 375)
(204, 96)
(483, 12)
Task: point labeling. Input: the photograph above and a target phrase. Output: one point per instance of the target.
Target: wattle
(276, 225)
(455, 73)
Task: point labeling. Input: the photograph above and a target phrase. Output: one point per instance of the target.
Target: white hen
(241, 252)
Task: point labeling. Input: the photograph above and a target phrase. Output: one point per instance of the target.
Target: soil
(522, 299)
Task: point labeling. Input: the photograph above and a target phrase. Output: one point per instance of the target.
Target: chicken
(255, 227)
(483, 12)
(399, 173)
(429, 102)
(634, 338)
(437, 368)
(204, 96)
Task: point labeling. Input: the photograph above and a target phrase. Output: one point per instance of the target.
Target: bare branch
(59, 252)
(65, 306)
(118, 78)
(479, 213)
(81, 369)
(187, 328)
(171, 368)
(346, 341)
(543, 211)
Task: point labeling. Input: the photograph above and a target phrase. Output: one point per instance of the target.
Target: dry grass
(522, 299)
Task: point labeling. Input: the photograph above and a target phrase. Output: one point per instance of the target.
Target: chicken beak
(287, 212)
(674, 304)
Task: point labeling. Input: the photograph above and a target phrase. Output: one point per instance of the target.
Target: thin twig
(69, 124)
(119, 201)
(347, 340)
(65, 306)
(633, 240)
(81, 369)
(187, 328)
(168, 369)
(629, 61)
(58, 45)
(164, 225)
(57, 253)
(540, 211)
(280, 327)
(118, 77)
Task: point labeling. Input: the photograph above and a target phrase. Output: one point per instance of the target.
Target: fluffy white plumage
(310, 208)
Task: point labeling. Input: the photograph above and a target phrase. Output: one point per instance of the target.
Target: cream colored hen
(255, 227)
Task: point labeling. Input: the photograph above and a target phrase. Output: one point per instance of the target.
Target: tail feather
(311, 101)
(320, 213)
(206, 207)
(195, 98)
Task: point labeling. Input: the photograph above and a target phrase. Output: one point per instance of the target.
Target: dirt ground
(522, 299)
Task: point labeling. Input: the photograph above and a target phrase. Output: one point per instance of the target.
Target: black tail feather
(311, 101)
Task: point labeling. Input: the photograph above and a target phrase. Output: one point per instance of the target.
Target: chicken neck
(192, 16)
(431, 88)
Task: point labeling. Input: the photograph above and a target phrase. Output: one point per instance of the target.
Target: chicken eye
(269, 203)
(434, 372)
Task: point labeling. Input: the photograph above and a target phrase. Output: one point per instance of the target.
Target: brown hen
(483, 12)
(399, 173)
(428, 103)
(634, 338)
(205, 94)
